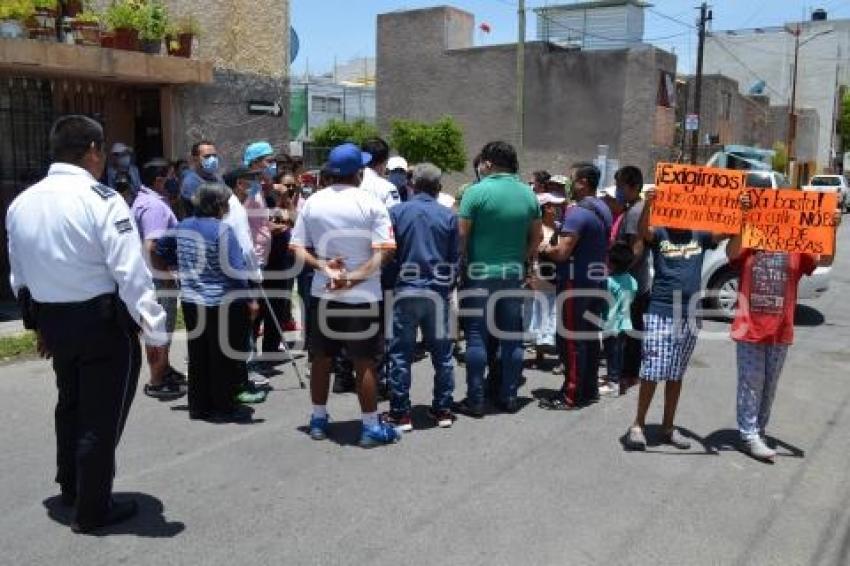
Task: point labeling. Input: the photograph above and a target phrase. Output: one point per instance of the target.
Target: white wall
(750, 55)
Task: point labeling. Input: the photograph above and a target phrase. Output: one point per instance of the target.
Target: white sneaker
(756, 448)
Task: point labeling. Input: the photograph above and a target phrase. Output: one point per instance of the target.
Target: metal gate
(26, 114)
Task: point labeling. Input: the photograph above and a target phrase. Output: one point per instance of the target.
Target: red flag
(485, 27)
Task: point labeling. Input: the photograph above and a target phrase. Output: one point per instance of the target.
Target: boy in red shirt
(764, 329)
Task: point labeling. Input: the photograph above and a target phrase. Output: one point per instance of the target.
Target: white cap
(397, 162)
(607, 192)
(548, 198)
(559, 180)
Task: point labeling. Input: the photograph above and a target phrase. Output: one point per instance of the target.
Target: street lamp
(792, 116)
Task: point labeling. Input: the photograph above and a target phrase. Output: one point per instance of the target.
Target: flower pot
(152, 46)
(87, 33)
(180, 46)
(42, 25)
(13, 29)
(127, 39)
(107, 39)
(46, 18)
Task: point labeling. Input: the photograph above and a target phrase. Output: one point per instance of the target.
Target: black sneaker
(465, 407)
(443, 417)
(175, 376)
(118, 512)
(511, 406)
(167, 390)
(68, 497)
(239, 414)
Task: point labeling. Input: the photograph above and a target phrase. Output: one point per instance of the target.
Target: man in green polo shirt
(500, 228)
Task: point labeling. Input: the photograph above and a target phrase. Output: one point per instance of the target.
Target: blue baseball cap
(257, 150)
(346, 159)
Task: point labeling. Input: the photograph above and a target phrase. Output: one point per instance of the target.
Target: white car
(832, 183)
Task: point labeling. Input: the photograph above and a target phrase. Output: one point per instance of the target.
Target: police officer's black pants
(215, 375)
(97, 364)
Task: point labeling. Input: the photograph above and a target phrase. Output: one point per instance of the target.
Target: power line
(746, 67)
(752, 47)
(671, 18)
(586, 33)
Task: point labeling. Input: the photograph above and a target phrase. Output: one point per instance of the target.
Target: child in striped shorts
(671, 324)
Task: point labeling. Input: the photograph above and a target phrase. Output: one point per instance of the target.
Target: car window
(826, 182)
(759, 180)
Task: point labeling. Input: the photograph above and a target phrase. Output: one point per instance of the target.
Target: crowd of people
(381, 256)
(372, 254)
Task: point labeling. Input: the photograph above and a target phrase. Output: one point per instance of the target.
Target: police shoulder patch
(103, 191)
(124, 226)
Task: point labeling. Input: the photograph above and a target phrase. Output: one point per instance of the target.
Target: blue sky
(345, 29)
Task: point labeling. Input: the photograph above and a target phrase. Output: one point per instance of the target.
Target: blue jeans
(432, 315)
(507, 318)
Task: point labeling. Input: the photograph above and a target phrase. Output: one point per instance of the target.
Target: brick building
(157, 104)
(575, 100)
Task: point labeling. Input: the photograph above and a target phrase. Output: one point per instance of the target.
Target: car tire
(724, 293)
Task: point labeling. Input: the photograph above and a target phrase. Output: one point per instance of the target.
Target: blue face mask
(620, 195)
(271, 170)
(254, 189)
(210, 164)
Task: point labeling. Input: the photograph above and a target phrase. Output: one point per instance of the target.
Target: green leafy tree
(780, 157)
(336, 132)
(440, 142)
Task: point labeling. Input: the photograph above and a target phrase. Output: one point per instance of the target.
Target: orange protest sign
(698, 198)
(788, 220)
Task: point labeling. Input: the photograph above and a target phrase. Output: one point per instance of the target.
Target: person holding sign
(670, 322)
(764, 328)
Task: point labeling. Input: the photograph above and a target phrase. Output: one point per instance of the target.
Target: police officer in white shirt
(77, 269)
(373, 176)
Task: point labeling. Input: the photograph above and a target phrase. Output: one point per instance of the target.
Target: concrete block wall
(248, 43)
(575, 100)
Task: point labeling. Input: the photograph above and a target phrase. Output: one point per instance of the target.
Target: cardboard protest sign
(698, 198)
(789, 220)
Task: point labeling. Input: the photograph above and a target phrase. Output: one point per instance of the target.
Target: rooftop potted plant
(86, 26)
(154, 24)
(42, 24)
(179, 37)
(124, 18)
(13, 16)
(70, 8)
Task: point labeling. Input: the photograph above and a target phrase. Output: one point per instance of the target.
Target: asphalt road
(533, 488)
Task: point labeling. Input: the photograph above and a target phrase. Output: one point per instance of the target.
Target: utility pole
(520, 80)
(791, 164)
(704, 17)
(792, 114)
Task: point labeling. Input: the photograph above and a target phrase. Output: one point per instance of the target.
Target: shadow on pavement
(343, 433)
(808, 316)
(149, 523)
(653, 434)
(727, 439)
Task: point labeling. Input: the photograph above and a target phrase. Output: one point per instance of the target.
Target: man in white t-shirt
(373, 175)
(345, 234)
